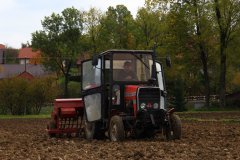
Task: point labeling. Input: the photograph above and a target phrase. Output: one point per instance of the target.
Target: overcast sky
(20, 18)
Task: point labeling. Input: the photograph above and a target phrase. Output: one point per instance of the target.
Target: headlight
(155, 105)
(143, 105)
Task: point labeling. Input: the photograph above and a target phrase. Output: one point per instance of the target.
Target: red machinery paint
(67, 115)
(131, 95)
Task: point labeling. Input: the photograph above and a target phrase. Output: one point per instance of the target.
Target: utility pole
(3, 57)
(25, 63)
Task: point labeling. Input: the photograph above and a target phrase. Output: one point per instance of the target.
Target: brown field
(205, 136)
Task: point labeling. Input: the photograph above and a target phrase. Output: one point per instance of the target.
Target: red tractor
(123, 94)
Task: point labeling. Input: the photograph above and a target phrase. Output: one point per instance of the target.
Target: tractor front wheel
(174, 130)
(92, 130)
(89, 130)
(116, 129)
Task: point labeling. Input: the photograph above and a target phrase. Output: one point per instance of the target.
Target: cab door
(161, 84)
(91, 90)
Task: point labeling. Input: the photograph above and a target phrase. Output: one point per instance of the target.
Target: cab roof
(126, 51)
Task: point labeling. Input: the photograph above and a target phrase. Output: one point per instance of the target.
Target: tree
(198, 16)
(228, 18)
(179, 101)
(92, 23)
(199, 10)
(10, 56)
(116, 30)
(189, 29)
(59, 41)
(148, 26)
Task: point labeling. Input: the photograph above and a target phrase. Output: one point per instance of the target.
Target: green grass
(25, 116)
(212, 120)
(212, 108)
(45, 113)
(46, 110)
(207, 111)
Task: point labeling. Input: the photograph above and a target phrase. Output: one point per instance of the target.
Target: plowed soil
(207, 137)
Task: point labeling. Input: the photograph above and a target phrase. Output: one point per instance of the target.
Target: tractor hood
(131, 92)
(147, 95)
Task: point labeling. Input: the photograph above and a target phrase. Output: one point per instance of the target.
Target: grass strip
(192, 112)
(40, 116)
(211, 120)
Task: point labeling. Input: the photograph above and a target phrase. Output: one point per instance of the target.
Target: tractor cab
(123, 90)
(112, 78)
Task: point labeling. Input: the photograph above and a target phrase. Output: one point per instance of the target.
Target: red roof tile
(2, 46)
(26, 75)
(28, 53)
(82, 57)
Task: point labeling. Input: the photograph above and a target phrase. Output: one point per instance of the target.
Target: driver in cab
(127, 74)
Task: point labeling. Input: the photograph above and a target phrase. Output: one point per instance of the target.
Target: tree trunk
(205, 74)
(66, 85)
(203, 57)
(222, 90)
(66, 76)
(223, 46)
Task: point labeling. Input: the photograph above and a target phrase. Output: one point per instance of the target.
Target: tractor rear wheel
(116, 129)
(174, 130)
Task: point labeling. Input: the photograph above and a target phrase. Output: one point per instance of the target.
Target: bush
(42, 91)
(74, 89)
(178, 100)
(13, 95)
(19, 96)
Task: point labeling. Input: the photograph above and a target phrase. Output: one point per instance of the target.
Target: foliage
(235, 82)
(92, 25)
(13, 96)
(19, 96)
(228, 17)
(116, 30)
(59, 41)
(191, 31)
(148, 28)
(178, 93)
(42, 91)
(200, 31)
(74, 89)
(11, 56)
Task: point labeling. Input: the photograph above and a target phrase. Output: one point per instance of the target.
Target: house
(26, 75)
(28, 71)
(28, 56)
(2, 46)
(2, 49)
